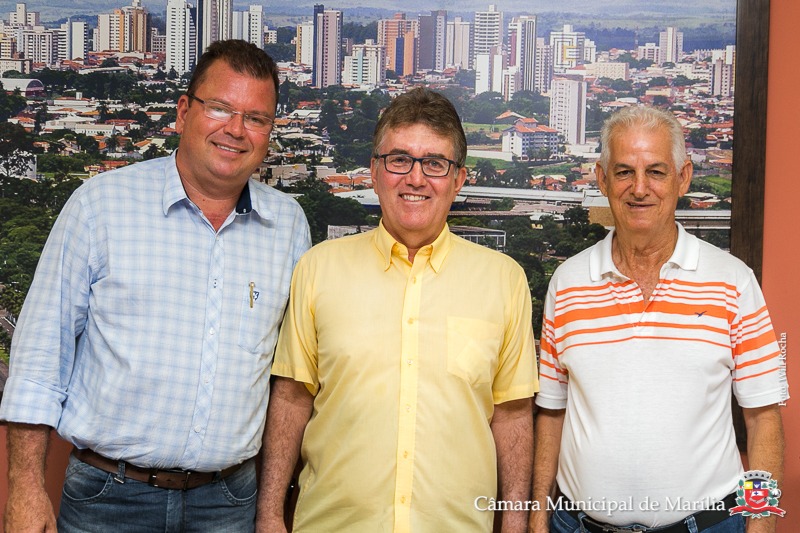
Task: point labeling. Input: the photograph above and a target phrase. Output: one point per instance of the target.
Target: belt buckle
(153, 479)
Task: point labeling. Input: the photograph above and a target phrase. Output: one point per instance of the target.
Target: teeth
(228, 149)
(412, 198)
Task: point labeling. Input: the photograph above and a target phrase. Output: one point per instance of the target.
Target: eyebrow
(625, 166)
(226, 104)
(406, 152)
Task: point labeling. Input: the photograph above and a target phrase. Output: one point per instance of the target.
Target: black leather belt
(165, 479)
(703, 519)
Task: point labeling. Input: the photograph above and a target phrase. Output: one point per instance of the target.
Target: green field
(719, 185)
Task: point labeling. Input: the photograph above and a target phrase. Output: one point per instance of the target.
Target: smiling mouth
(413, 197)
(229, 149)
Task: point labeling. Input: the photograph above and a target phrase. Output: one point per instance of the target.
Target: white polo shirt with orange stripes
(648, 435)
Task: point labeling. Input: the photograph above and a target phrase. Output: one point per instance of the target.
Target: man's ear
(601, 178)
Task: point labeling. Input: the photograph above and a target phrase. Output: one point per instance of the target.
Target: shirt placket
(409, 382)
(210, 353)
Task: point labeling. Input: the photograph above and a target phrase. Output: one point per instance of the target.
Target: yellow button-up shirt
(406, 362)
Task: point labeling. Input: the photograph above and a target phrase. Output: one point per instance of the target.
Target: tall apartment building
(181, 36)
(39, 45)
(522, 49)
(670, 42)
(328, 48)
(432, 40)
(365, 67)
(721, 78)
(568, 109)
(249, 25)
(126, 29)
(567, 48)
(225, 23)
(22, 17)
(207, 23)
(394, 34)
(489, 71)
(73, 43)
(649, 51)
(544, 66)
(458, 48)
(304, 43)
(487, 31)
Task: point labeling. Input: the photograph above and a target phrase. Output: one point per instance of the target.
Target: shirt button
(207, 379)
(197, 429)
(405, 455)
(211, 331)
(408, 408)
(402, 499)
(410, 362)
(414, 279)
(410, 320)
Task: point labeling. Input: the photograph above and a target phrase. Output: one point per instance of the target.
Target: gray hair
(649, 118)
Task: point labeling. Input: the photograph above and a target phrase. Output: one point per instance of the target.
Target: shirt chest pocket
(261, 312)
(473, 349)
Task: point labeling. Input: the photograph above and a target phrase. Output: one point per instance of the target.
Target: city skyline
(644, 10)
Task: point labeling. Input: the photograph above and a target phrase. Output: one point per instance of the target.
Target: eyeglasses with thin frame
(223, 112)
(432, 167)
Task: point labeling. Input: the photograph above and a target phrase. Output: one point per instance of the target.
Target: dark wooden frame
(749, 148)
(750, 132)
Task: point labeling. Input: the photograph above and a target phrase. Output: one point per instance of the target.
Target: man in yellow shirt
(407, 358)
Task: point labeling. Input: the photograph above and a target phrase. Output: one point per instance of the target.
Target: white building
(568, 48)
(526, 138)
(365, 67)
(328, 49)
(522, 49)
(487, 31)
(181, 37)
(568, 109)
(670, 42)
(458, 47)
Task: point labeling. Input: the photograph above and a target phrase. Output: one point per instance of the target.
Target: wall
(781, 235)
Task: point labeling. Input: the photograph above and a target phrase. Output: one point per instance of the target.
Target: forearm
(512, 427)
(765, 451)
(289, 411)
(27, 451)
(28, 504)
(548, 426)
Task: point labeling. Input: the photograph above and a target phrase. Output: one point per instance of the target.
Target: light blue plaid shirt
(146, 335)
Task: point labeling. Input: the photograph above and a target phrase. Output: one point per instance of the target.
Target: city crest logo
(757, 495)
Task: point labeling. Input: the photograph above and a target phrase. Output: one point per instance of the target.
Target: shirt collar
(686, 255)
(388, 247)
(174, 193)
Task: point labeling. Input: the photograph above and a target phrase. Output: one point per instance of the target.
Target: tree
(485, 171)
(16, 149)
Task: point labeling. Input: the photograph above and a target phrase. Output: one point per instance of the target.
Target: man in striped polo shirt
(645, 337)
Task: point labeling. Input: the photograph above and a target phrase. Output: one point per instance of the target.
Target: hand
(29, 511)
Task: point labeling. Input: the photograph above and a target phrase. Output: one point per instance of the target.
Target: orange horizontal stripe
(754, 344)
(593, 288)
(654, 337)
(753, 317)
(552, 379)
(701, 284)
(756, 375)
(588, 331)
(672, 325)
(687, 309)
(592, 313)
(759, 360)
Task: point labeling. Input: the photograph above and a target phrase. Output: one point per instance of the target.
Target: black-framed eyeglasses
(224, 113)
(433, 167)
